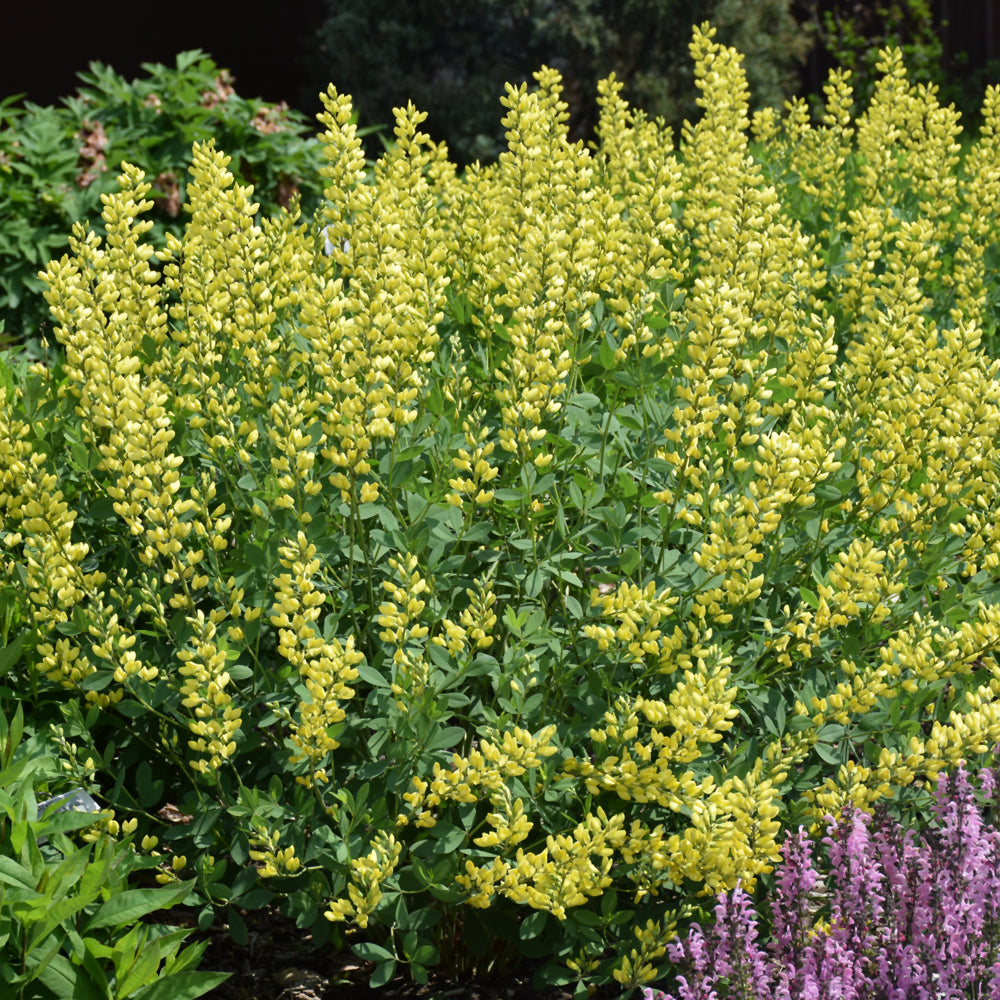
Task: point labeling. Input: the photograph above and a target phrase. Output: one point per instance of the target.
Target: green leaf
(149, 792)
(371, 676)
(139, 965)
(9, 655)
(237, 926)
(532, 925)
(70, 982)
(382, 974)
(14, 732)
(182, 986)
(368, 951)
(449, 837)
(830, 754)
(426, 954)
(446, 739)
(133, 904)
(58, 912)
(14, 874)
(629, 562)
(446, 895)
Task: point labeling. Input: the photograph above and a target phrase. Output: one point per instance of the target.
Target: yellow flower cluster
(127, 416)
(477, 468)
(571, 868)
(368, 873)
(216, 719)
(639, 245)
(474, 630)
(275, 860)
(700, 712)
(400, 621)
(639, 613)
(222, 280)
(371, 315)
(652, 937)
(36, 518)
(326, 668)
(485, 768)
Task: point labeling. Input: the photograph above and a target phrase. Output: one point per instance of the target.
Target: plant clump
(496, 563)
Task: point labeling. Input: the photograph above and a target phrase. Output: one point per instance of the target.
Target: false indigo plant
(896, 919)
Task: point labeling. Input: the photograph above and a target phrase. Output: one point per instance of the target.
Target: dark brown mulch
(277, 964)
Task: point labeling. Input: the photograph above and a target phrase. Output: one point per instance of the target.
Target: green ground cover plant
(493, 564)
(70, 923)
(57, 161)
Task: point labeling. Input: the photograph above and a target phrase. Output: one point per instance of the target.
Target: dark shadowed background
(44, 45)
(452, 56)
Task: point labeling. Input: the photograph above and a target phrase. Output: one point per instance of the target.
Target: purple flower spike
(895, 919)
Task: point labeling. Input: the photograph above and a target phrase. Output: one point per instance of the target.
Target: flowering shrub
(502, 579)
(896, 919)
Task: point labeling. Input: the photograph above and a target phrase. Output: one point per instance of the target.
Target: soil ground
(276, 964)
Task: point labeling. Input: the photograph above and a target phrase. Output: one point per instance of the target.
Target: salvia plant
(894, 919)
(492, 564)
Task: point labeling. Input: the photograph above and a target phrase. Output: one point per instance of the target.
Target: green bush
(452, 58)
(70, 925)
(500, 581)
(57, 162)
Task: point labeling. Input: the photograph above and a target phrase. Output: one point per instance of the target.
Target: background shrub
(852, 34)
(57, 162)
(71, 924)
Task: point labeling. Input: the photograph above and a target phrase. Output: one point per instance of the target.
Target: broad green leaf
(382, 974)
(368, 951)
(71, 982)
(182, 986)
(133, 904)
(14, 874)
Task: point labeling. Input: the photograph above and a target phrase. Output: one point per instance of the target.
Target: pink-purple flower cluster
(895, 919)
